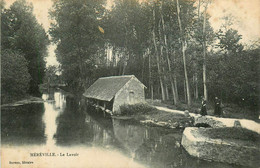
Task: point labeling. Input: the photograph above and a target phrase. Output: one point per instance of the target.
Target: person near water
(217, 110)
(203, 110)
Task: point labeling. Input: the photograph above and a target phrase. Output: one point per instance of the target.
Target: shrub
(14, 76)
(140, 108)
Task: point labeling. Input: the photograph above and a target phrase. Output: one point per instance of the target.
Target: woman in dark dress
(203, 110)
(217, 110)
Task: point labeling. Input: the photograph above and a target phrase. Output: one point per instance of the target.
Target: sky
(245, 12)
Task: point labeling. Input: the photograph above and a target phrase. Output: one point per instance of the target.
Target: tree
(184, 46)
(78, 33)
(204, 53)
(229, 41)
(51, 75)
(157, 55)
(21, 32)
(15, 77)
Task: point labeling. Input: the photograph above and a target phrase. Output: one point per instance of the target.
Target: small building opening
(131, 97)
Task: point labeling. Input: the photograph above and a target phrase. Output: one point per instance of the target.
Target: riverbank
(26, 100)
(156, 116)
(229, 110)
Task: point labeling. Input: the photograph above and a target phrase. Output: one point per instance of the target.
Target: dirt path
(226, 122)
(169, 110)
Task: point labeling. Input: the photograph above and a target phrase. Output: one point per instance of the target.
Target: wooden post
(97, 105)
(86, 103)
(104, 111)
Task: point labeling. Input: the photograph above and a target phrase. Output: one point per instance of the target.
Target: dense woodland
(169, 45)
(23, 49)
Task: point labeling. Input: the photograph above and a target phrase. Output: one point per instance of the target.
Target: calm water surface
(63, 123)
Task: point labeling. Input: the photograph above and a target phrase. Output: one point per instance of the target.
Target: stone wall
(123, 96)
(218, 150)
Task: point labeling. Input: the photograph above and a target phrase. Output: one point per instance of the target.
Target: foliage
(136, 109)
(14, 75)
(235, 77)
(76, 31)
(21, 32)
(229, 41)
(126, 39)
(51, 75)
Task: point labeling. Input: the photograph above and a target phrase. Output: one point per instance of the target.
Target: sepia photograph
(130, 83)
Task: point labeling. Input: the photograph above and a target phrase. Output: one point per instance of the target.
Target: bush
(14, 76)
(136, 109)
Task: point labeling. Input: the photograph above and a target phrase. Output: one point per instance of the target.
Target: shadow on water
(78, 127)
(23, 124)
(71, 126)
(158, 147)
(65, 123)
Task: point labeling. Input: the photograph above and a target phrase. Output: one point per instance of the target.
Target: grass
(230, 110)
(171, 118)
(148, 112)
(134, 109)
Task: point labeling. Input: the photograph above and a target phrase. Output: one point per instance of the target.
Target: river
(83, 138)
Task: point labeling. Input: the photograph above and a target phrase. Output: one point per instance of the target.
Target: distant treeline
(23, 48)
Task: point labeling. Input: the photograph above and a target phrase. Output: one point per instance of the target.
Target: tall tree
(175, 100)
(21, 32)
(184, 46)
(157, 55)
(14, 76)
(78, 33)
(204, 53)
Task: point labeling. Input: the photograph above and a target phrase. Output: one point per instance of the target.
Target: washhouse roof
(105, 88)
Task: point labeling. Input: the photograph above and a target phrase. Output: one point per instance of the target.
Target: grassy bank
(150, 115)
(229, 110)
(25, 100)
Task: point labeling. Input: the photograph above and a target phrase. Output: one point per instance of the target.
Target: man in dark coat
(203, 110)
(217, 110)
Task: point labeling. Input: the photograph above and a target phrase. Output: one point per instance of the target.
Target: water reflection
(61, 124)
(23, 124)
(71, 128)
(52, 111)
(157, 147)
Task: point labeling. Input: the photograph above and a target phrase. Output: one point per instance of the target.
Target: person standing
(217, 110)
(203, 110)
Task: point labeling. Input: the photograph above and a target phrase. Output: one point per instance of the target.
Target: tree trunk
(175, 78)
(183, 42)
(196, 86)
(166, 85)
(185, 91)
(204, 54)
(150, 74)
(196, 94)
(175, 101)
(143, 61)
(176, 87)
(195, 79)
(152, 92)
(157, 58)
(166, 90)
